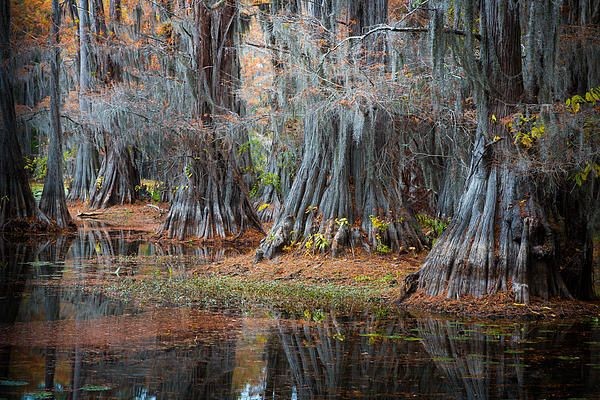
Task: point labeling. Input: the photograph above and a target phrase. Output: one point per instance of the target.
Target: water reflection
(60, 336)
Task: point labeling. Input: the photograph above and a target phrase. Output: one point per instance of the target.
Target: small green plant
(99, 181)
(266, 179)
(433, 227)
(37, 167)
(582, 176)
(316, 242)
(317, 315)
(378, 223)
(379, 227)
(382, 248)
(526, 130)
(188, 171)
(263, 207)
(342, 222)
(574, 103)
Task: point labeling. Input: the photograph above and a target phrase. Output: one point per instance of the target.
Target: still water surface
(58, 339)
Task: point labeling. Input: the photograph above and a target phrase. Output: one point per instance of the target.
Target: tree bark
(500, 238)
(86, 164)
(53, 202)
(17, 205)
(118, 178)
(340, 191)
(212, 199)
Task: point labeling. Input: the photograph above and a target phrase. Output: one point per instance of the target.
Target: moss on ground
(293, 298)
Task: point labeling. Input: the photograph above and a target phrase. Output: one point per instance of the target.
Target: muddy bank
(359, 281)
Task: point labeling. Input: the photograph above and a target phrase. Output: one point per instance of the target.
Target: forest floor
(298, 281)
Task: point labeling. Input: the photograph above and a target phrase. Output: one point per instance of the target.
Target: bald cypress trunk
(53, 202)
(212, 198)
(17, 205)
(118, 178)
(346, 190)
(502, 237)
(86, 164)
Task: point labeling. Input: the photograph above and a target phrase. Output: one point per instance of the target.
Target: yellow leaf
(494, 119)
(496, 138)
(589, 98)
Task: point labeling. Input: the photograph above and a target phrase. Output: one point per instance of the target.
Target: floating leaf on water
(567, 358)
(8, 382)
(593, 343)
(394, 337)
(95, 388)
(39, 395)
(412, 339)
(518, 365)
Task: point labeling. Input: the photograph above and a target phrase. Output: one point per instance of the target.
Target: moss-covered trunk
(346, 191)
(118, 178)
(53, 202)
(501, 237)
(212, 198)
(16, 200)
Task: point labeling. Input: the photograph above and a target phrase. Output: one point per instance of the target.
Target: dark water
(59, 338)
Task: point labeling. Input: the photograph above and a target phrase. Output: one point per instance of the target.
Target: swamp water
(59, 339)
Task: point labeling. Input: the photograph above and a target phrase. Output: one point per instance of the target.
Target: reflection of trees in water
(102, 245)
(203, 253)
(510, 360)
(329, 359)
(203, 371)
(477, 364)
(14, 266)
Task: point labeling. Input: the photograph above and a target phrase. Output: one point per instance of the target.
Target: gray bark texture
(347, 189)
(505, 234)
(86, 164)
(118, 179)
(53, 202)
(212, 198)
(17, 206)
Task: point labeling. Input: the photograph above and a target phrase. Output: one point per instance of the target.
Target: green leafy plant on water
(8, 382)
(40, 395)
(95, 388)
